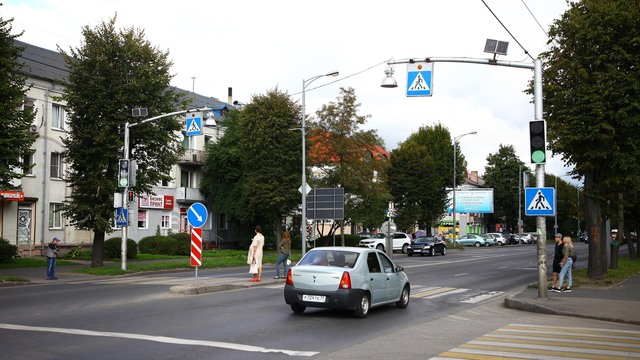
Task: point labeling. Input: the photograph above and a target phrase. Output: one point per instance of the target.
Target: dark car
(427, 245)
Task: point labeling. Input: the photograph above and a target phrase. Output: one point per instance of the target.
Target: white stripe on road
(161, 339)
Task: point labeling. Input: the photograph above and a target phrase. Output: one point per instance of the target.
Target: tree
(349, 158)
(110, 74)
(252, 174)
(591, 97)
(502, 174)
(419, 176)
(16, 140)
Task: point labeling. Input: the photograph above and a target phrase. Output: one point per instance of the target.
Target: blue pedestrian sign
(539, 201)
(122, 217)
(194, 124)
(419, 78)
(197, 215)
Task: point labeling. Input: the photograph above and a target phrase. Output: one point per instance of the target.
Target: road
(455, 298)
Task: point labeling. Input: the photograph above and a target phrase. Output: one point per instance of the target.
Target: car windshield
(339, 258)
(423, 240)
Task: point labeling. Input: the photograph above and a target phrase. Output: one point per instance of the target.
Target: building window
(27, 164)
(222, 221)
(55, 216)
(58, 117)
(142, 219)
(57, 166)
(186, 179)
(166, 221)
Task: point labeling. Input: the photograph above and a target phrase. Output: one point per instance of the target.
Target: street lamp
(455, 156)
(303, 188)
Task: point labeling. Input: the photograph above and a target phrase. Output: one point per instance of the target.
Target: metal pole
(125, 203)
(453, 213)
(303, 225)
(540, 220)
(555, 201)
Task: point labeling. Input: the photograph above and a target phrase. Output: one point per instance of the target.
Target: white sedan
(350, 278)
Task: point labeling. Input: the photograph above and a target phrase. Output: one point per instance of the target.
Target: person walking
(52, 254)
(285, 251)
(557, 259)
(255, 253)
(567, 263)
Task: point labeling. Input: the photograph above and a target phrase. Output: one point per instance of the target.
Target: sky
(254, 46)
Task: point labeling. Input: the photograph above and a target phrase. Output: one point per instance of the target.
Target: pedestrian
(254, 257)
(557, 259)
(566, 263)
(285, 251)
(52, 254)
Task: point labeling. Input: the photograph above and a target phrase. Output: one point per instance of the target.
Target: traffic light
(130, 196)
(123, 173)
(537, 142)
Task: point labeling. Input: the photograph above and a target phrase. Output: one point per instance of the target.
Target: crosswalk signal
(537, 142)
(130, 196)
(123, 173)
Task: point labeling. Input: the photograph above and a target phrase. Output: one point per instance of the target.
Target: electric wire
(509, 32)
(344, 78)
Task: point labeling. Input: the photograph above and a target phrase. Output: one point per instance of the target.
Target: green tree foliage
(502, 174)
(591, 97)
(110, 74)
(253, 173)
(349, 158)
(16, 140)
(421, 169)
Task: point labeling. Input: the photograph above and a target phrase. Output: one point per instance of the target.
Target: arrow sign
(197, 215)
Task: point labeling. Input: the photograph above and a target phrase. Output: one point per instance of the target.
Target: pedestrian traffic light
(537, 142)
(130, 196)
(123, 173)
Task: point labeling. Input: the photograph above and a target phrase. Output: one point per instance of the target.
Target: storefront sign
(12, 195)
(155, 201)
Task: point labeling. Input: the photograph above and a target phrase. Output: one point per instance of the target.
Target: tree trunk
(615, 245)
(597, 264)
(97, 259)
(277, 226)
(342, 232)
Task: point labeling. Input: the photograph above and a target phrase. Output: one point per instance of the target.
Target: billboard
(472, 201)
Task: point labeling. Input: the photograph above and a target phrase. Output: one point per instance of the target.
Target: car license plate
(313, 298)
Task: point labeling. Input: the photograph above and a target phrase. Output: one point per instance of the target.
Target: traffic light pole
(536, 66)
(125, 202)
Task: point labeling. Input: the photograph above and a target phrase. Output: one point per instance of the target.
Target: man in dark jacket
(52, 254)
(557, 259)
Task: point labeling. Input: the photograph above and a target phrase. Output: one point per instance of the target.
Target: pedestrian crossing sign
(122, 218)
(194, 124)
(540, 201)
(419, 78)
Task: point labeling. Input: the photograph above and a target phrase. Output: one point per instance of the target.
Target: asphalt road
(137, 317)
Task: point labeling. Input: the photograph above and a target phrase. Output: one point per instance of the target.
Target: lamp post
(455, 156)
(303, 187)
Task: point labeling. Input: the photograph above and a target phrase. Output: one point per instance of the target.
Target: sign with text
(146, 201)
(472, 201)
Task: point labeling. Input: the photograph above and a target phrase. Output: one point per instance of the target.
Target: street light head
(389, 81)
(333, 73)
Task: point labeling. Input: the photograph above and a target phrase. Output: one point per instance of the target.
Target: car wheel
(363, 307)
(501, 243)
(444, 251)
(404, 248)
(297, 308)
(477, 244)
(404, 297)
(432, 252)
(380, 247)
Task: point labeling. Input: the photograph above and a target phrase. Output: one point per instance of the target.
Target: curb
(204, 289)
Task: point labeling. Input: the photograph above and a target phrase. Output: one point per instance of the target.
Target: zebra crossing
(526, 341)
(468, 296)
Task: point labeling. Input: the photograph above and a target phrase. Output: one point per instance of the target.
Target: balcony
(192, 157)
(187, 195)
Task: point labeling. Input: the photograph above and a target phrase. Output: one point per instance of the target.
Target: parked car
(584, 237)
(348, 278)
(526, 238)
(499, 239)
(401, 242)
(427, 245)
(472, 240)
(533, 236)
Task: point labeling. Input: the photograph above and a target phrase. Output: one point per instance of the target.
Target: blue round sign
(197, 215)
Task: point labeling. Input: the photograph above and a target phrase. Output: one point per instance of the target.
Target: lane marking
(161, 339)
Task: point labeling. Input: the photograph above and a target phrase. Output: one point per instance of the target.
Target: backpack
(574, 257)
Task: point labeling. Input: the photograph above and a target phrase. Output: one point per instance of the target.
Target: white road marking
(161, 339)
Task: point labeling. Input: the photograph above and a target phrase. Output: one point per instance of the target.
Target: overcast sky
(256, 45)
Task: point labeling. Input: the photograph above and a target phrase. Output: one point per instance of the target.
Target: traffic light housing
(130, 196)
(537, 141)
(123, 173)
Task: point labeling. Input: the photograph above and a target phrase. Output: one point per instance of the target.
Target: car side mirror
(399, 268)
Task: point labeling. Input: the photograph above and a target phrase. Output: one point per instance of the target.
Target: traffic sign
(122, 217)
(419, 78)
(196, 247)
(539, 201)
(194, 124)
(197, 215)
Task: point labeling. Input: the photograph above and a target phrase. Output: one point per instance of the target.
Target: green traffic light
(538, 157)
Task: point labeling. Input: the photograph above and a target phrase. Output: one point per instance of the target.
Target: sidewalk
(617, 304)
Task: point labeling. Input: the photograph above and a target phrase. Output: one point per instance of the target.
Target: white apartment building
(30, 217)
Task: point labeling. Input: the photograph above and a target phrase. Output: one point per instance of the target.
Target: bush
(7, 251)
(113, 248)
(184, 243)
(159, 245)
